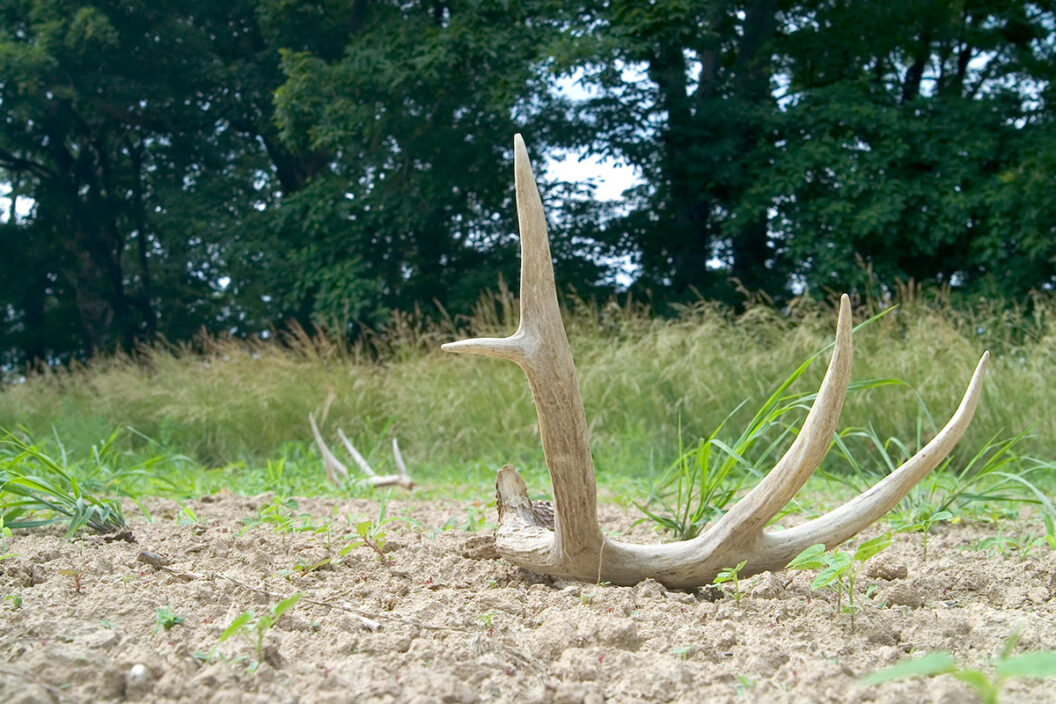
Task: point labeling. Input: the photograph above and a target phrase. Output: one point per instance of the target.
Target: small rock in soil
(138, 681)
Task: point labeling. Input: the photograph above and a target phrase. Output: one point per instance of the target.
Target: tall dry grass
(224, 400)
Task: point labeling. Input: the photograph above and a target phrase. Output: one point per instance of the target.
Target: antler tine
(401, 467)
(336, 472)
(539, 308)
(359, 459)
(751, 514)
(847, 520)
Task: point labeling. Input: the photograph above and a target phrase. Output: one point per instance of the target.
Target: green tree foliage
(914, 145)
(682, 91)
(245, 165)
(143, 135)
(418, 113)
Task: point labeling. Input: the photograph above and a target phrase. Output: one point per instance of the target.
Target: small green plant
(683, 651)
(487, 621)
(1050, 530)
(1006, 666)
(14, 600)
(186, 516)
(839, 569)
(76, 578)
(475, 520)
(282, 516)
(920, 519)
(305, 568)
(254, 628)
(166, 618)
(1022, 546)
(370, 534)
(730, 574)
(5, 535)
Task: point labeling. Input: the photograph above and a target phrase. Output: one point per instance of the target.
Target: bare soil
(444, 621)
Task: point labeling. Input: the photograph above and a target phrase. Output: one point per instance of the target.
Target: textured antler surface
(573, 545)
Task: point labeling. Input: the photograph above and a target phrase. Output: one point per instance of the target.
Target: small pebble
(138, 681)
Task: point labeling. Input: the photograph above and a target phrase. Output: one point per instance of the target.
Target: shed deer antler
(338, 473)
(575, 546)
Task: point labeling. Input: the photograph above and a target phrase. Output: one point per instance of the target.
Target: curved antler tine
(750, 515)
(844, 522)
(360, 460)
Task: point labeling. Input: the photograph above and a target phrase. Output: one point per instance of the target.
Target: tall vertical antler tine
(844, 522)
(540, 347)
(538, 288)
(539, 309)
(751, 514)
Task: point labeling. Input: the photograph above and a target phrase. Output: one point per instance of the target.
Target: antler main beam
(575, 547)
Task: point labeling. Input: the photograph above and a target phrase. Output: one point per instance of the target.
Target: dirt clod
(900, 595)
(883, 567)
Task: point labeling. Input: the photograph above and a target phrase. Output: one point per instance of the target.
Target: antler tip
(503, 347)
(983, 362)
(843, 322)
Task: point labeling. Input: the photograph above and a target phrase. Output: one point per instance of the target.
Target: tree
(419, 112)
(914, 145)
(683, 93)
(143, 134)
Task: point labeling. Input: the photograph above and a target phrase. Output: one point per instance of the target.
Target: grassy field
(683, 416)
(237, 412)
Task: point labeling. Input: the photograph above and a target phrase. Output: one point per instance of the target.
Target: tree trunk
(750, 243)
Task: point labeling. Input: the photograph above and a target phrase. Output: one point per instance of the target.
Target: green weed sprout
(36, 490)
(839, 569)
(1006, 666)
(1050, 531)
(370, 533)
(166, 618)
(255, 628)
(729, 574)
(5, 535)
(282, 516)
(1005, 545)
(920, 519)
